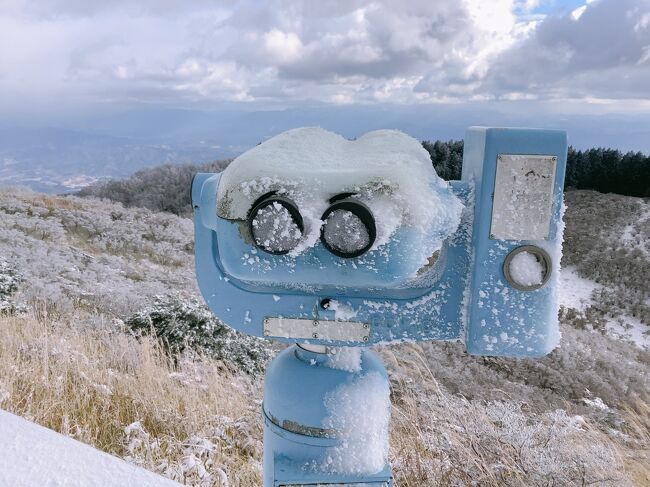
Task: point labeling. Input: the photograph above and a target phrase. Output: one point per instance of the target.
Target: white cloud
(577, 13)
(358, 51)
(284, 47)
(590, 56)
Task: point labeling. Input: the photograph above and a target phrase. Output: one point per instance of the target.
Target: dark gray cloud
(602, 53)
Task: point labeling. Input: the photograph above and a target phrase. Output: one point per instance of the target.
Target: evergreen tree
(601, 169)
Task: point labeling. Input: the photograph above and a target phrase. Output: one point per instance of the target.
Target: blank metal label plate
(346, 331)
(523, 197)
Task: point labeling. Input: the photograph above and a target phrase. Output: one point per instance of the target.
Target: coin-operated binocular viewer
(333, 245)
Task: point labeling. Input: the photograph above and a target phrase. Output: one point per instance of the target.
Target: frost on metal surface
(523, 197)
(274, 228)
(387, 170)
(348, 331)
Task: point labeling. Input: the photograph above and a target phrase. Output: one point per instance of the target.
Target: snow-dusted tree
(9, 280)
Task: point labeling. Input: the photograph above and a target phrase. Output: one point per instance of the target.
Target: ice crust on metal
(387, 170)
(346, 331)
(463, 296)
(523, 197)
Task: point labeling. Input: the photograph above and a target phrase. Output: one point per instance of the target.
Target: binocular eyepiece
(276, 226)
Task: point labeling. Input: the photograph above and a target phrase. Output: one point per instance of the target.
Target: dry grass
(439, 439)
(193, 422)
(198, 423)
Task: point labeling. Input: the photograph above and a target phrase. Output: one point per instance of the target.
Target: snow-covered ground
(33, 456)
(575, 291)
(578, 293)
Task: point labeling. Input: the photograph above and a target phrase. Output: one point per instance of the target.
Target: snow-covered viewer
(318, 241)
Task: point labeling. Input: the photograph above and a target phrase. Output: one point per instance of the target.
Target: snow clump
(359, 411)
(526, 270)
(345, 358)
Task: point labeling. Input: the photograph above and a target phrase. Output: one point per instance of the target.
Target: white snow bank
(35, 456)
(360, 412)
(387, 170)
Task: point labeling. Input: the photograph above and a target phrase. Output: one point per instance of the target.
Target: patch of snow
(344, 358)
(360, 412)
(630, 329)
(597, 403)
(36, 456)
(575, 291)
(633, 235)
(342, 311)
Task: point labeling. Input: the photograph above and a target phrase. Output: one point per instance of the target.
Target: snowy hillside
(82, 282)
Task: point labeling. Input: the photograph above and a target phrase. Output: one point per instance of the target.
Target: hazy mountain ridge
(85, 266)
(94, 147)
(59, 161)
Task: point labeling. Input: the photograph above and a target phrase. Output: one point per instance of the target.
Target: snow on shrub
(9, 280)
(188, 324)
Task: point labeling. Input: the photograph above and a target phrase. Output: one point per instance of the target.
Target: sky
(60, 59)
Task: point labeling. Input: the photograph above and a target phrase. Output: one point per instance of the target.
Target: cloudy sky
(560, 56)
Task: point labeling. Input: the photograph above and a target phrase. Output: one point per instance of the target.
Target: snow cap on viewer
(386, 169)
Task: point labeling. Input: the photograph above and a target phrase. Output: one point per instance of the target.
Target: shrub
(181, 325)
(9, 280)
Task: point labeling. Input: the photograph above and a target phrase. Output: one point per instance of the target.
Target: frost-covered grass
(91, 254)
(9, 280)
(459, 420)
(192, 421)
(607, 239)
(84, 267)
(455, 419)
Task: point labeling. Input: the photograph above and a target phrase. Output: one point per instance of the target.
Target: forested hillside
(161, 188)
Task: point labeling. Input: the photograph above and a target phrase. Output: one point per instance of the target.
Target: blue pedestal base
(302, 444)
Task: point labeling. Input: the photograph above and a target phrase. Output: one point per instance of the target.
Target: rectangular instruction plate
(523, 197)
(345, 331)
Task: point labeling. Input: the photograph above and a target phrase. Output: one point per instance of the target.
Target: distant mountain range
(55, 155)
(61, 160)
